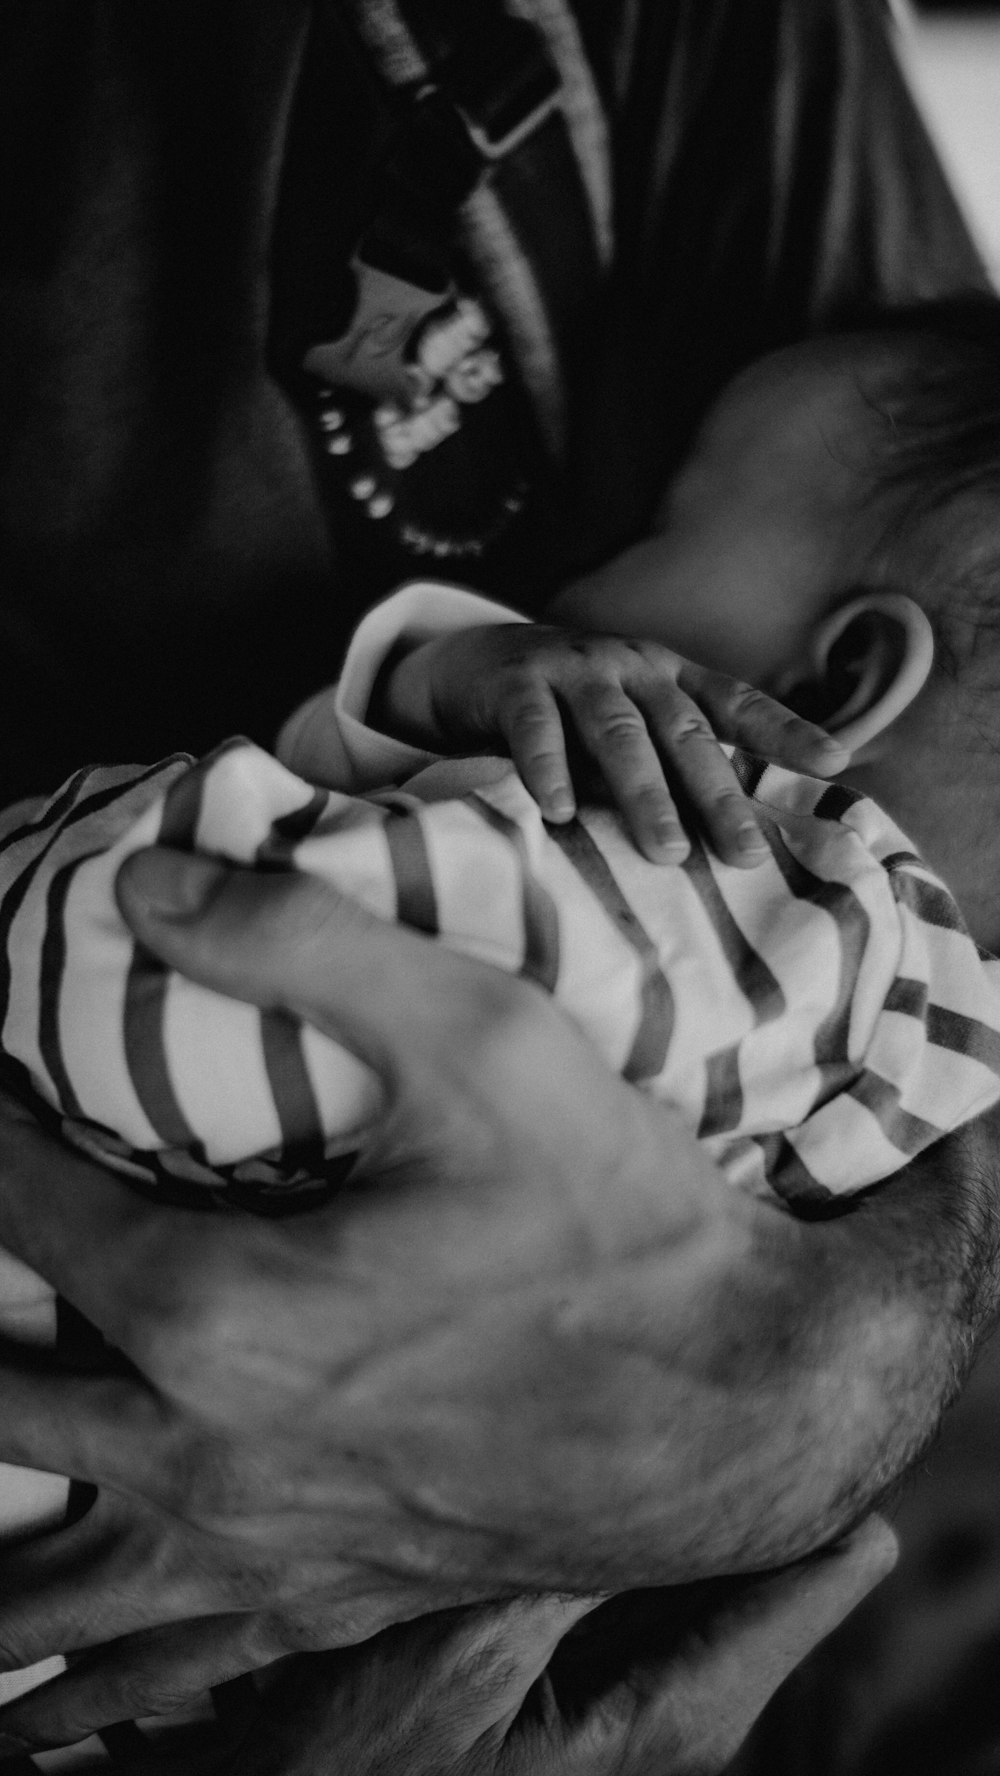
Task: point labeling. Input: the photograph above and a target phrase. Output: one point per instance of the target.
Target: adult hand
(550, 1351)
(658, 1681)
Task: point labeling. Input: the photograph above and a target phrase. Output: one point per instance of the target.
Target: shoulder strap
(504, 98)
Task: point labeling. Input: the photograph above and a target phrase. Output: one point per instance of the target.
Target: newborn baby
(819, 1016)
(796, 1012)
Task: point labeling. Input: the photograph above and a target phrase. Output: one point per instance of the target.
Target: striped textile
(818, 1021)
(831, 998)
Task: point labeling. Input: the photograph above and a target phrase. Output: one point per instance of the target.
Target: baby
(796, 1011)
(819, 1018)
(803, 987)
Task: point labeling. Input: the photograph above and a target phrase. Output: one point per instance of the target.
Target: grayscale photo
(499, 887)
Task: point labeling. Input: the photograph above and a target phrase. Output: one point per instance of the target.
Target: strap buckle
(502, 82)
(497, 147)
(480, 101)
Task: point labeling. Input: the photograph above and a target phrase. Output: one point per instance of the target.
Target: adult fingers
(140, 1675)
(426, 1019)
(615, 733)
(751, 719)
(117, 1571)
(705, 1696)
(468, 1056)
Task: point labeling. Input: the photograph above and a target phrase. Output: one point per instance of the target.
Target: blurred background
(952, 56)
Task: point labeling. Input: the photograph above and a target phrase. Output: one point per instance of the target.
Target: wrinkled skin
(550, 1352)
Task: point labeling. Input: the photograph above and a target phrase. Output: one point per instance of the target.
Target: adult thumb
(292, 942)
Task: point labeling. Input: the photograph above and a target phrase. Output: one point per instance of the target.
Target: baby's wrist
(401, 704)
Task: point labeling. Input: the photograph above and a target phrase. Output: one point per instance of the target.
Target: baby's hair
(939, 458)
(944, 394)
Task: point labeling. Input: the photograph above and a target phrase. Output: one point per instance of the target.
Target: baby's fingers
(532, 727)
(692, 753)
(750, 718)
(615, 734)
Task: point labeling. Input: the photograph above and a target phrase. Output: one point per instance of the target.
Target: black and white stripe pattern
(818, 1021)
(832, 995)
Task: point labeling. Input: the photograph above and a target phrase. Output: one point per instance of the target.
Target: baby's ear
(866, 663)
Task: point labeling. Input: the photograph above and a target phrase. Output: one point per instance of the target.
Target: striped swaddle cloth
(818, 1021)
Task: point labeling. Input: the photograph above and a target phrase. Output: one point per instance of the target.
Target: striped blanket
(818, 1021)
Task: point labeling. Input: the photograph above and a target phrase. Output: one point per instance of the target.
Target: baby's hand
(645, 716)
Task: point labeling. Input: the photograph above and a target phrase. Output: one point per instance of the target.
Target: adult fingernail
(171, 884)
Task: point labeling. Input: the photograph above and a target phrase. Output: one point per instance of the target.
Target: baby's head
(834, 537)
